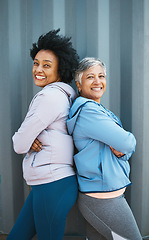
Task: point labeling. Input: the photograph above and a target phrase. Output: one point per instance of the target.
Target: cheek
(51, 72)
(105, 85)
(33, 70)
(86, 90)
(56, 73)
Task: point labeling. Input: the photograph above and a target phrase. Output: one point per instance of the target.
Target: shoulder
(51, 91)
(52, 95)
(99, 112)
(49, 99)
(93, 107)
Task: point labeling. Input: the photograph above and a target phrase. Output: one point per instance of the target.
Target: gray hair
(85, 64)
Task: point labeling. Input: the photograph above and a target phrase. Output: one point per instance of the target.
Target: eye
(35, 63)
(102, 76)
(47, 65)
(90, 77)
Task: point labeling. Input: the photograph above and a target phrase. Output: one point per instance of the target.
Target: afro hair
(61, 46)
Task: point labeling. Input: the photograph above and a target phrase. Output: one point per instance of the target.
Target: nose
(97, 80)
(39, 68)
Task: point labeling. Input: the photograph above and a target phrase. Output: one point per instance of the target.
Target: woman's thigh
(52, 203)
(107, 215)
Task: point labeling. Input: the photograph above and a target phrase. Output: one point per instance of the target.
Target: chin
(39, 84)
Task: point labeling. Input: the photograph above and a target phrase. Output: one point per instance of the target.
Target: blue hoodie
(94, 129)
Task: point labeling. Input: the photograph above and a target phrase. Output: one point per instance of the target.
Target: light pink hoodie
(46, 120)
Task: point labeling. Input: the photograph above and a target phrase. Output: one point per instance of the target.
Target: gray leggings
(106, 215)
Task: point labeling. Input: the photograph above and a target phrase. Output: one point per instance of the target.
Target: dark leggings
(45, 211)
(106, 217)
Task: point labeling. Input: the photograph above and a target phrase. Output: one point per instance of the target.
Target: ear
(78, 86)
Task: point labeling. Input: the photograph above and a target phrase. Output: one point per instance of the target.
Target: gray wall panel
(103, 43)
(114, 57)
(6, 186)
(126, 62)
(92, 28)
(140, 114)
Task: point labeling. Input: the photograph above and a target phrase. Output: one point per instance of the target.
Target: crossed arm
(37, 146)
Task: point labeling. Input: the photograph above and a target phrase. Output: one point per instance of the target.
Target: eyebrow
(93, 74)
(43, 60)
(90, 74)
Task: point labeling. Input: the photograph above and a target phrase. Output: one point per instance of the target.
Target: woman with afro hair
(43, 137)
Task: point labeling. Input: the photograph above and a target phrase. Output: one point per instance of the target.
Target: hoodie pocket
(32, 164)
(88, 162)
(32, 172)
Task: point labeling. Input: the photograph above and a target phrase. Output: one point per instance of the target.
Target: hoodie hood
(76, 109)
(64, 87)
(74, 112)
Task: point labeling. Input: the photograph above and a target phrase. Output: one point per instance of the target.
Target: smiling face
(93, 83)
(45, 68)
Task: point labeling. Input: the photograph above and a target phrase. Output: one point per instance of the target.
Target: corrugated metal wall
(114, 30)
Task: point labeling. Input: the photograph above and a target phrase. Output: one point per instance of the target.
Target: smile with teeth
(96, 88)
(39, 77)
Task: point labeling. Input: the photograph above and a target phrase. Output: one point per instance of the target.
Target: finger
(34, 145)
(36, 149)
(38, 143)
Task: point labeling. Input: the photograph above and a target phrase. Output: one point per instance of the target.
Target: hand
(116, 153)
(36, 146)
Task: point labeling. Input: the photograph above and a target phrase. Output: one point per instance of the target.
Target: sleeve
(98, 125)
(44, 110)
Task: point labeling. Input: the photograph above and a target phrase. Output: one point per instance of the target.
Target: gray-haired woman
(104, 149)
